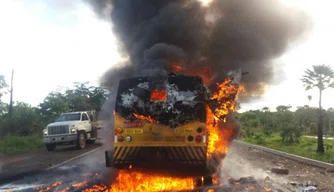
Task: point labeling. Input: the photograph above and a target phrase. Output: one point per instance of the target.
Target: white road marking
(74, 158)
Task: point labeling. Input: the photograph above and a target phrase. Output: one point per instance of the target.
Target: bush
(15, 144)
(258, 137)
(290, 133)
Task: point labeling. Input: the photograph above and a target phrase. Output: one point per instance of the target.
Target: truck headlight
(72, 130)
(45, 132)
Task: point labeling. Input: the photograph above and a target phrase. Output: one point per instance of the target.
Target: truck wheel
(50, 147)
(81, 141)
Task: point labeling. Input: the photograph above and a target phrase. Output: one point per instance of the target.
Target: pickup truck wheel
(81, 141)
(50, 147)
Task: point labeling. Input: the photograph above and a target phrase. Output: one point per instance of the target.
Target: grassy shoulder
(306, 147)
(12, 145)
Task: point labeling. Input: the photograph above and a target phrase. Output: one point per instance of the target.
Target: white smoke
(235, 167)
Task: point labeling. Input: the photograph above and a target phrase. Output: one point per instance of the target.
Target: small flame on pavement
(250, 188)
(267, 189)
(65, 190)
(53, 185)
(80, 184)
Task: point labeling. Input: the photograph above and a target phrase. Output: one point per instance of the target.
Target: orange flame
(221, 132)
(158, 95)
(137, 181)
(145, 118)
(80, 184)
(250, 188)
(177, 67)
(53, 185)
(227, 94)
(267, 189)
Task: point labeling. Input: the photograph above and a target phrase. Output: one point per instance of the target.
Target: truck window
(177, 100)
(84, 117)
(69, 117)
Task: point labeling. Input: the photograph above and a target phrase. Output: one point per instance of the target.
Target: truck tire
(50, 147)
(81, 141)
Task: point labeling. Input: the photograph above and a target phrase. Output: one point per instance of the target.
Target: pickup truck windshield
(69, 117)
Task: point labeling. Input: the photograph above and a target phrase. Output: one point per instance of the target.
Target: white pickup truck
(71, 128)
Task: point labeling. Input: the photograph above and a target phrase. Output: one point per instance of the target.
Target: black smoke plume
(209, 41)
(206, 40)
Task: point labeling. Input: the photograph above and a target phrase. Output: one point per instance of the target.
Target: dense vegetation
(30, 121)
(288, 124)
(284, 130)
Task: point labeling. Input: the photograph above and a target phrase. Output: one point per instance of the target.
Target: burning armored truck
(174, 122)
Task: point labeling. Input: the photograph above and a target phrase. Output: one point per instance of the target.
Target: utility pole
(10, 110)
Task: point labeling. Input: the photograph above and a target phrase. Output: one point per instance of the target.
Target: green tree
(305, 115)
(265, 109)
(53, 105)
(80, 98)
(3, 85)
(84, 97)
(320, 77)
(97, 97)
(331, 126)
(283, 108)
(26, 121)
(266, 121)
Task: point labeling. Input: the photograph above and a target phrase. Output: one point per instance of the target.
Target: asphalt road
(14, 168)
(244, 169)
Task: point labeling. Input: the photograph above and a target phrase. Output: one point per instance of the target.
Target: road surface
(13, 168)
(252, 166)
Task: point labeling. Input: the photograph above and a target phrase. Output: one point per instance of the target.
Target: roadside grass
(11, 145)
(306, 147)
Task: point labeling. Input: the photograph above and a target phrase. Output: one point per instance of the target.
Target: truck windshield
(69, 117)
(171, 101)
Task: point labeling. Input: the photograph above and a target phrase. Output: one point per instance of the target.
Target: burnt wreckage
(185, 98)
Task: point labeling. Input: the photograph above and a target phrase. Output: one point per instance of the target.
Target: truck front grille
(55, 130)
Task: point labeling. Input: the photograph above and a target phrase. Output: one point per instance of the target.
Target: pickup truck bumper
(59, 139)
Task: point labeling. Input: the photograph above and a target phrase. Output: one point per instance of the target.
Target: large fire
(221, 132)
(131, 181)
(226, 95)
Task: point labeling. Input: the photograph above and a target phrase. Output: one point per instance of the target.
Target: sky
(53, 43)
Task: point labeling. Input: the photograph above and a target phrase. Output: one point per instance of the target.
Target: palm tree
(320, 77)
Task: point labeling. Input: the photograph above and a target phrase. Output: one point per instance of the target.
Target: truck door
(86, 122)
